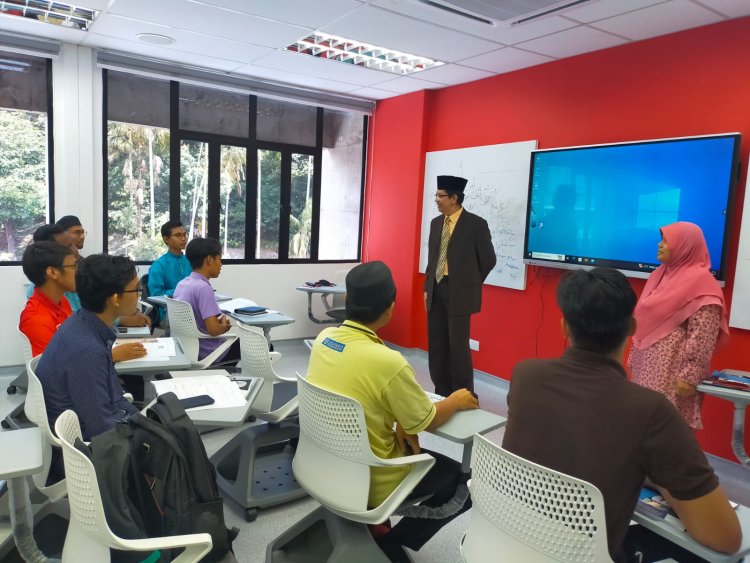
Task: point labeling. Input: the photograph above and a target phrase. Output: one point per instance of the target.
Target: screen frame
(734, 177)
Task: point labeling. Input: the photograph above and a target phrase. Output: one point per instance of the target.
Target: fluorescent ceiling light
(349, 51)
(48, 11)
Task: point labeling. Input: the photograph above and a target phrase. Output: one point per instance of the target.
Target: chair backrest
(338, 301)
(25, 347)
(182, 325)
(83, 487)
(527, 512)
(36, 411)
(144, 284)
(333, 443)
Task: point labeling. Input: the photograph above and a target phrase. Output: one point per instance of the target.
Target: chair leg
(323, 537)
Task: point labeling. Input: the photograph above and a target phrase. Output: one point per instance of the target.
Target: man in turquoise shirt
(173, 266)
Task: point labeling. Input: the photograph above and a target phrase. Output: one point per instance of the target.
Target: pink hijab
(675, 291)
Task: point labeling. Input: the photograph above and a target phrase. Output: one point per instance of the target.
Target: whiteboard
(739, 316)
(498, 189)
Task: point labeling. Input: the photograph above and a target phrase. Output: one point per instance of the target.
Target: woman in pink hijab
(681, 319)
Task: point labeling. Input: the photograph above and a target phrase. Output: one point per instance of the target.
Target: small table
(324, 292)
(462, 426)
(683, 539)
(24, 457)
(740, 399)
(266, 321)
(148, 369)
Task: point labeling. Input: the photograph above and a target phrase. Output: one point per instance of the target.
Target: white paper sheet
(223, 390)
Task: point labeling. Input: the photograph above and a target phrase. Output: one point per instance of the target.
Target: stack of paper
(157, 349)
(236, 303)
(221, 389)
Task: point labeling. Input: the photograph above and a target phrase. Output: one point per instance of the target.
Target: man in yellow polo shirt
(352, 360)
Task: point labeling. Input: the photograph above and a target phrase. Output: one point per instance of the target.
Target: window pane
(194, 188)
(341, 186)
(24, 82)
(138, 189)
(233, 198)
(282, 122)
(269, 201)
(300, 219)
(214, 111)
(135, 99)
(23, 179)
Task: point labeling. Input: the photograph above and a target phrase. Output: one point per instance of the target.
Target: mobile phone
(197, 401)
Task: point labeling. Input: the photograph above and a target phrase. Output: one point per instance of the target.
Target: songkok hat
(370, 285)
(451, 183)
(69, 221)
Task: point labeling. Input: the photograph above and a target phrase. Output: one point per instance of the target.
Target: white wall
(78, 191)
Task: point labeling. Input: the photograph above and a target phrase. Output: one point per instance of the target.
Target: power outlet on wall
(474, 345)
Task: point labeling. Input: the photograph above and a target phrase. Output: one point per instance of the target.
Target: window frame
(50, 148)
(252, 145)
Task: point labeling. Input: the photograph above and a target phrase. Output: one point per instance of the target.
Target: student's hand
(128, 351)
(684, 389)
(409, 443)
(136, 319)
(464, 400)
(225, 322)
(425, 300)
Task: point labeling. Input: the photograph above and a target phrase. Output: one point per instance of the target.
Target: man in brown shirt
(580, 415)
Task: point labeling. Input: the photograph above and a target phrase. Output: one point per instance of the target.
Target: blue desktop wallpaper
(609, 202)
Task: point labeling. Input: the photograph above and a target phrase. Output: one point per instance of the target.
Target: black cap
(68, 221)
(451, 183)
(370, 285)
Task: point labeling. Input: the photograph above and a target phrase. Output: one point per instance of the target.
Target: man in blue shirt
(76, 369)
(172, 267)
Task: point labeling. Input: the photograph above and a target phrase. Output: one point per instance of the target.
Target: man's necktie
(443, 256)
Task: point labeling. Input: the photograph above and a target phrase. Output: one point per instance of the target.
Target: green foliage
(23, 178)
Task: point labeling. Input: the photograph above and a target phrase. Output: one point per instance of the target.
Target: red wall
(689, 83)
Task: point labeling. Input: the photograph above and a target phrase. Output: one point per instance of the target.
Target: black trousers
(448, 344)
(440, 482)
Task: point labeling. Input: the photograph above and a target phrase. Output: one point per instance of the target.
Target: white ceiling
(247, 37)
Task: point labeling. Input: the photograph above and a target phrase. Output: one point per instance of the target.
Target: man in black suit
(460, 257)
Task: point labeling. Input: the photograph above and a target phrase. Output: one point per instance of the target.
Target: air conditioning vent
(504, 14)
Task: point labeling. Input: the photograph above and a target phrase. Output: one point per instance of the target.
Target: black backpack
(156, 480)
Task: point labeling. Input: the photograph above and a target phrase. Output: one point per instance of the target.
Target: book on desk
(730, 379)
(653, 505)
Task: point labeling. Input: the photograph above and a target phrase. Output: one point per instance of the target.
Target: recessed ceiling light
(155, 39)
(349, 51)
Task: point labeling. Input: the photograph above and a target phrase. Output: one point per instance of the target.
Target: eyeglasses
(179, 235)
(440, 196)
(70, 266)
(138, 289)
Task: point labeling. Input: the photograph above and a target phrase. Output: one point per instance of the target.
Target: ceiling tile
(210, 20)
(186, 41)
(394, 31)
(506, 60)
(497, 33)
(572, 42)
(730, 8)
(407, 84)
(152, 51)
(94, 4)
(592, 11)
(285, 77)
(659, 20)
(299, 12)
(26, 26)
(453, 74)
(373, 93)
(322, 68)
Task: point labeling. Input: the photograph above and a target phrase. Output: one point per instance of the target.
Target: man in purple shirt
(204, 255)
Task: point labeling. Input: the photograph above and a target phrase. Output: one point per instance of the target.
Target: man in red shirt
(51, 267)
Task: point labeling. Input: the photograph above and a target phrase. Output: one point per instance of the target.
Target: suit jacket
(471, 258)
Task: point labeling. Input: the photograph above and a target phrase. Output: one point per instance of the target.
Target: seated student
(51, 267)
(55, 233)
(204, 255)
(172, 267)
(72, 225)
(76, 370)
(352, 360)
(580, 415)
